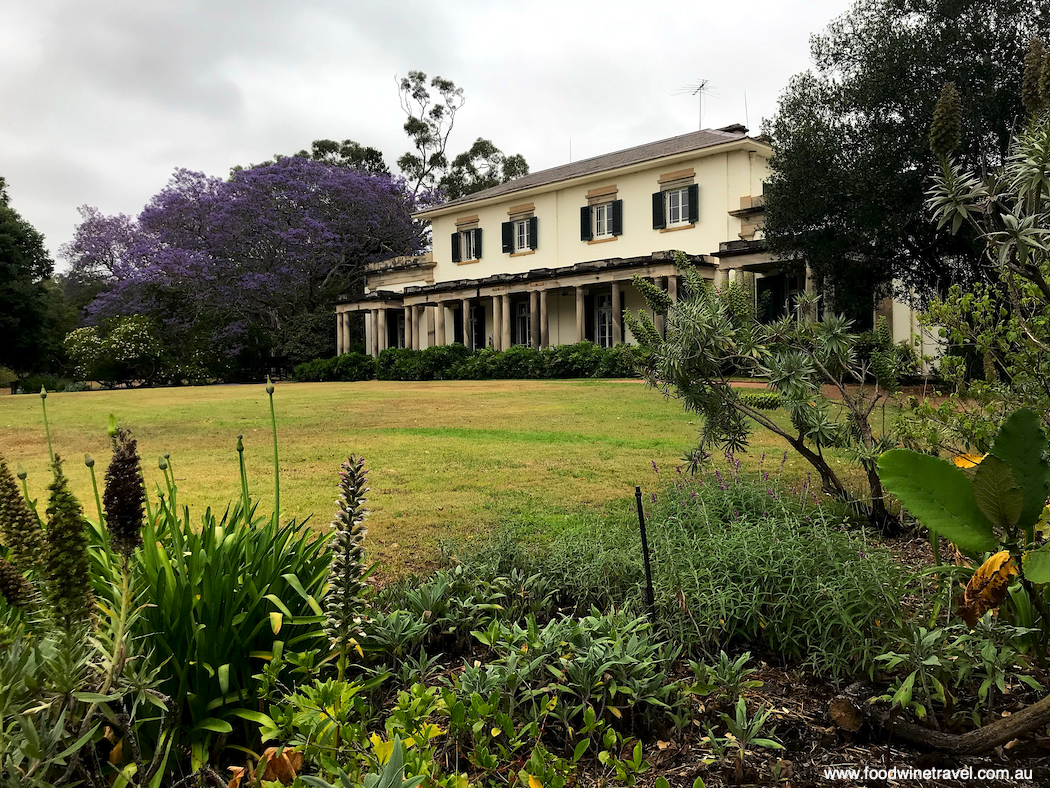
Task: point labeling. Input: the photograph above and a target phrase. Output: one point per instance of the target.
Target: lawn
(447, 459)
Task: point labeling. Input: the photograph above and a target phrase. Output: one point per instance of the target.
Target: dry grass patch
(446, 458)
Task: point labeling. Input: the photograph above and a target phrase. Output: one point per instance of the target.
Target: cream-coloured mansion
(547, 259)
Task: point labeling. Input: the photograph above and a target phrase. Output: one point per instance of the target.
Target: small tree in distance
(812, 369)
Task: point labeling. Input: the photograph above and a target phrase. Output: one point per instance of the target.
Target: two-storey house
(547, 259)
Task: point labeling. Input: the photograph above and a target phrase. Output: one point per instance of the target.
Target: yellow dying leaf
(383, 749)
(968, 460)
(534, 782)
(988, 586)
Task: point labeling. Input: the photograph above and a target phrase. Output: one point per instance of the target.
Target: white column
(382, 330)
(581, 318)
(534, 319)
(439, 325)
(497, 322)
(545, 335)
(617, 314)
(505, 329)
(339, 317)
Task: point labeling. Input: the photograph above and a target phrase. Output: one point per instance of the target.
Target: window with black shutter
(659, 222)
(694, 203)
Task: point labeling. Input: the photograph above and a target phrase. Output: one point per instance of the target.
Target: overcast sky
(100, 100)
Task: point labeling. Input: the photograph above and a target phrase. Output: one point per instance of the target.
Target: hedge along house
(547, 259)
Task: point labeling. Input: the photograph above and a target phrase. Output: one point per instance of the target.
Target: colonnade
(431, 316)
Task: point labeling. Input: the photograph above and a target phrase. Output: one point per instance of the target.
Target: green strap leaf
(939, 496)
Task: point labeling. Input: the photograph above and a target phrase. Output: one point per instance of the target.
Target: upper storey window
(520, 235)
(677, 204)
(601, 221)
(466, 241)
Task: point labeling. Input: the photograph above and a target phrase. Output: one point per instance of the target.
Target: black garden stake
(645, 555)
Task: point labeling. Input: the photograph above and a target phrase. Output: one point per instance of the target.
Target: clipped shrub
(347, 367)
(441, 361)
(520, 363)
(574, 361)
(621, 361)
(399, 363)
(479, 365)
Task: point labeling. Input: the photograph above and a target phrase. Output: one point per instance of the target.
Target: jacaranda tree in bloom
(223, 267)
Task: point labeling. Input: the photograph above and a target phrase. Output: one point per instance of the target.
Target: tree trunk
(981, 740)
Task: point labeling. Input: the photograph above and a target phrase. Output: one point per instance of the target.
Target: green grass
(446, 459)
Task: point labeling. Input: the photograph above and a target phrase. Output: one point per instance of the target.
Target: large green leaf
(997, 492)
(1037, 566)
(1021, 444)
(939, 496)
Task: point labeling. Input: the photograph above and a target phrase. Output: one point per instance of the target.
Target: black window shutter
(659, 222)
(477, 244)
(534, 232)
(617, 217)
(508, 237)
(585, 223)
(456, 257)
(694, 203)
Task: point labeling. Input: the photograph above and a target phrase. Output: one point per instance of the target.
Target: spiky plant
(68, 585)
(124, 496)
(1031, 95)
(347, 572)
(946, 129)
(1044, 79)
(19, 529)
(14, 588)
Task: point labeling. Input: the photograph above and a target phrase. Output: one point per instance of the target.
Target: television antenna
(698, 89)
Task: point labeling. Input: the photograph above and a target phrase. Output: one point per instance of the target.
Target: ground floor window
(522, 323)
(603, 320)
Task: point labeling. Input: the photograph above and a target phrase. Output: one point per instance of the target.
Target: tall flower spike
(68, 586)
(124, 497)
(19, 529)
(344, 601)
(14, 588)
(946, 129)
(1031, 95)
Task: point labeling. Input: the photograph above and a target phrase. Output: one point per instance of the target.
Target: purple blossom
(655, 468)
(223, 264)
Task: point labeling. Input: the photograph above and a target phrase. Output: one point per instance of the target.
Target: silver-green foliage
(346, 575)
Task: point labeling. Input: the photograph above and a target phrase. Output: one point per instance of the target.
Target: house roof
(672, 146)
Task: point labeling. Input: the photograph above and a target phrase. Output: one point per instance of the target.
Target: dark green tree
(481, 167)
(25, 267)
(348, 153)
(851, 146)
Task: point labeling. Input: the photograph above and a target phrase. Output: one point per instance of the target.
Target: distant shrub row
(455, 362)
